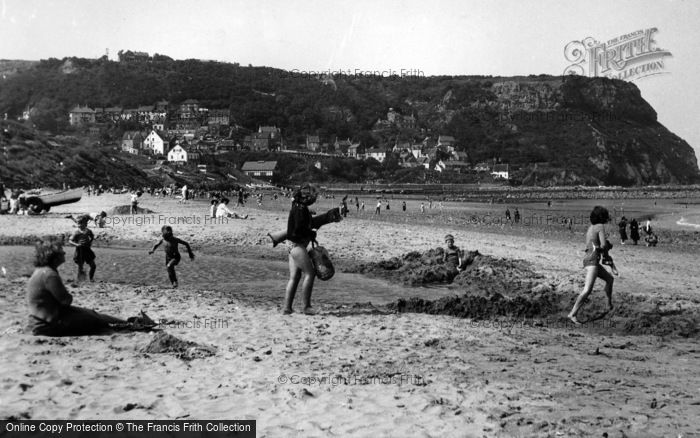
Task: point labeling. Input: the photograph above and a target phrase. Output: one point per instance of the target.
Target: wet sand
(354, 369)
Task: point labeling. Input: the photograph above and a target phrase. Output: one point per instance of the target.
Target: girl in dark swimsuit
(596, 245)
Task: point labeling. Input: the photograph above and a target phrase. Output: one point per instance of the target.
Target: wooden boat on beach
(37, 204)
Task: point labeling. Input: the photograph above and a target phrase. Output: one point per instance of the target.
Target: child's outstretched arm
(187, 245)
(155, 246)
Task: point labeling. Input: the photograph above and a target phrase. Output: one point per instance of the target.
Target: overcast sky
(506, 37)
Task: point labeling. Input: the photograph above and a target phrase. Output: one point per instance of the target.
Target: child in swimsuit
(172, 254)
(82, 241)
(596, 245)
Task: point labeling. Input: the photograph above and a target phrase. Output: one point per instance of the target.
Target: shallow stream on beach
(237, 275)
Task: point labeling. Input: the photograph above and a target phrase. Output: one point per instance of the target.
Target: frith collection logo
(629, 57)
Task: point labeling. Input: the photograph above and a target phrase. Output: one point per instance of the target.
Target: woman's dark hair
(600, 215)
(47, 251)
(306, 194)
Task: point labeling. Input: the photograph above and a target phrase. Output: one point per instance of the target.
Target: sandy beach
(365, 366)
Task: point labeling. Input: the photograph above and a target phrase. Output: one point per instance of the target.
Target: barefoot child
(596, 245)
(172, 254)
(82, 240)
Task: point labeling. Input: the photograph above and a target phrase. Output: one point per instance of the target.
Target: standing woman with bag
(300, 234)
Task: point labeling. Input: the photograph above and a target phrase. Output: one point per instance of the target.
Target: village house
(145, 113)
(417, 150)
(274, 135)
(313, 143)
(182, 154)
(155, 143)
(354, 150)
(482, 166)
(113, 113)
(376, 153)
(459, 156)
(341, 146)
(81, 115)
(132, 142)
(162, 106)
(224, 146)
(221, 117)
(446, 143)
(457, 166)
(260, 169)
(424, 161)
(500, 171)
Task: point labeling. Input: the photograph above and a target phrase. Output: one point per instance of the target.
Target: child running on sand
(172, 254)
(82, 240)
(597, 246)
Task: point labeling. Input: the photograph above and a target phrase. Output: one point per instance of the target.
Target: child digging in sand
(82, 240)
(172, 254)
(596, 246)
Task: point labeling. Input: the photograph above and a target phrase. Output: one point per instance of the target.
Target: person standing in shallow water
(596, 245)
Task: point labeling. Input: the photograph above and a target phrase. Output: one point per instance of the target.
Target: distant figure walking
(622, 227)
(422, 208)
(597, 246)
(362, 206)
(378, 209)
(516, 215)
(634, 231)
(508, 219)
(357, 204)
(403, 205)
(172, 253)
(647, 227)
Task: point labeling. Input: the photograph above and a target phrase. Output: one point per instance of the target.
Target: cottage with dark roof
(260, 169)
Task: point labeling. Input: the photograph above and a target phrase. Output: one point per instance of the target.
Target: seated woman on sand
(50, 309)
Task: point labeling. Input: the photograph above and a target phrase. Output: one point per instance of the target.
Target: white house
(377, 154)
(155, 143)
(500, 171)
(417, 150)
(179, 154)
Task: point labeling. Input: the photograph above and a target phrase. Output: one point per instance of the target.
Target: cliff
(550, 130)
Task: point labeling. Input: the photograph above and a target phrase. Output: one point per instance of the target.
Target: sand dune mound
(126, 209)
(185, 350)
(492, 287)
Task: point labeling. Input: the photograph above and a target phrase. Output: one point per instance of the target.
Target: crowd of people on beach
(52, 312)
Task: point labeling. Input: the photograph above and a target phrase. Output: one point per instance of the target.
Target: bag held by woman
(322, 262)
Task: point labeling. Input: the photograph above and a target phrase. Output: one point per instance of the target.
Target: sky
(438, 37)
